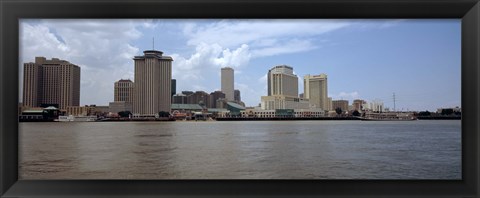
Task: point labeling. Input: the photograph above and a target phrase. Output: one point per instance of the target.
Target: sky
(417, 60)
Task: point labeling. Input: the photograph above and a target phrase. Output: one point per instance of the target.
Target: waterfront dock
(283, 118)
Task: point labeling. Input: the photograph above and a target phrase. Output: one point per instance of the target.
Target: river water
(241, 150)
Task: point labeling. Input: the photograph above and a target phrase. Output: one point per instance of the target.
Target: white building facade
(376, 106)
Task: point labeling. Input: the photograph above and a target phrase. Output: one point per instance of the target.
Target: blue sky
(418, 60)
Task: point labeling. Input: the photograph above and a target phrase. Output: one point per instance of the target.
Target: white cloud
(290, 46)
(236, 58)
(236, 32)
(104, 49)
(250, 96)
(263, 81)
(202, 69)
(265, 37)
(100, 47)
(208, 58)
(345, 95)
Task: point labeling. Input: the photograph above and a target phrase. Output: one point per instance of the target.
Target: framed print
(223, 98)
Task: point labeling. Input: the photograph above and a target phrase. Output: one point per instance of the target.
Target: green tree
(163, 114)
(447, 111)
(424, 113)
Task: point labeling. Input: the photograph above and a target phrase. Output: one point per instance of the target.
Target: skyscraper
(236, 95)
(174, 87)
(123, 90)
(153, 78)
(283, 90)
(315, 89)
(227, 82)
(51, 82)
(282, 81)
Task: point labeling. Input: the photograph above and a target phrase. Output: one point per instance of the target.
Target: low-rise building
(359, 104)
(179, 99)
(342, 104)
(377, 106)
(283, 102)
(449, 110)
(80, 110)
(186, 108)
(100, 110)
(119, 106)
(298, 113)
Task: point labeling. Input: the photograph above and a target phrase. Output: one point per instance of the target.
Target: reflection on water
(241, 150)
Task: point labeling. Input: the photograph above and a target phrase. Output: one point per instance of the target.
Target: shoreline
(245, 119)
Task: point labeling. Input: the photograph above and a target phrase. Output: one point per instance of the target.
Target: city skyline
(334, 47)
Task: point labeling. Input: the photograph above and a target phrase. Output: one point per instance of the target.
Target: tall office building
(153, 78)
(236, 95)
(282, 81)
(315, 89)
(51, 82)
(283, 90)
(174, 87)
(123, 90)
(227, 83)
(123, 96)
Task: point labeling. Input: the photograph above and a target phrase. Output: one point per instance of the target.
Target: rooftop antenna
(153, 43)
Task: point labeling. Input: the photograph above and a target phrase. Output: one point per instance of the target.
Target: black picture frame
(11, 11)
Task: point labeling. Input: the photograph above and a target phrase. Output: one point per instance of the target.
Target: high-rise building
(315, 90)
(283, 90)
(282, 81)
(51, 82)
(236, 95)
(227, 82)
(153, 78)
(214, 96)
(123, 90)
(174, 87)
